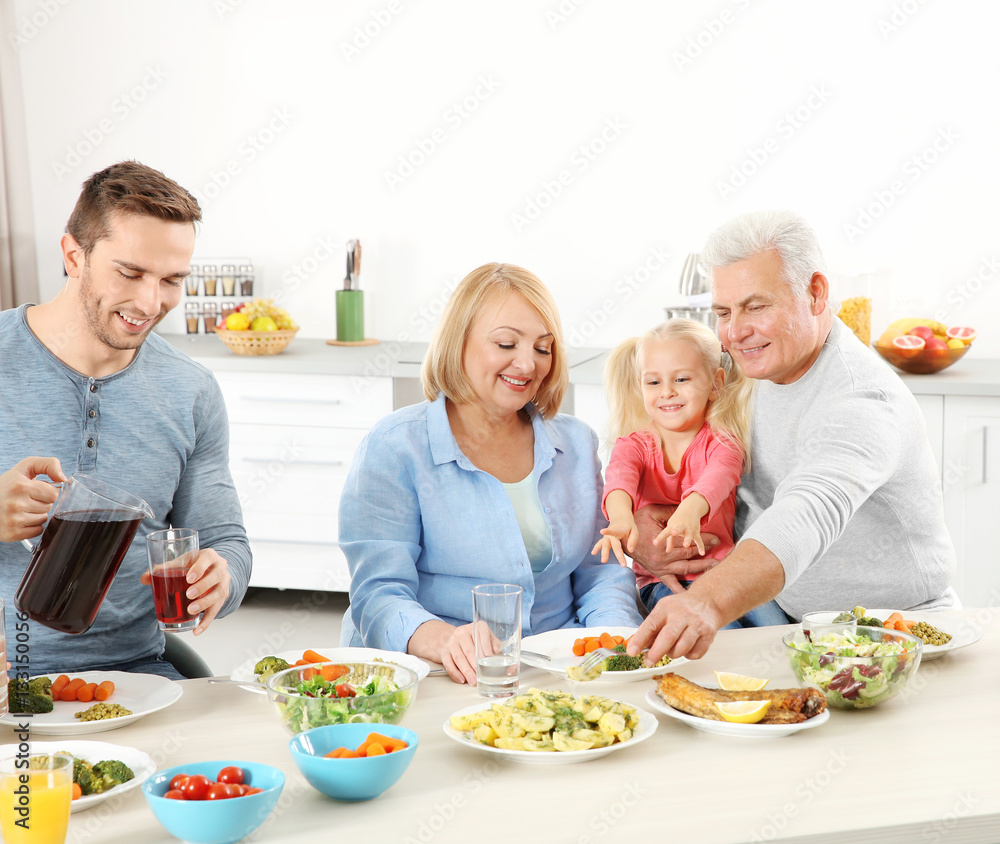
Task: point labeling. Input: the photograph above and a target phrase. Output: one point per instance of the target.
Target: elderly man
(88, 388)
(843, 503)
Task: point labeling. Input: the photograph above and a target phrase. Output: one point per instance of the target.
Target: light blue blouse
(421, 525)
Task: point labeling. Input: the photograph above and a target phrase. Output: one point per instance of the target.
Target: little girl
(682, 429)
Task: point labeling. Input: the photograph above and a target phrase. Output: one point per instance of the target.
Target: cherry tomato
(243, 787)
(254, 790)
(344, 690)
(196, 788)
(178, 781)
(218, 791)
(231, 775)
(174, 794)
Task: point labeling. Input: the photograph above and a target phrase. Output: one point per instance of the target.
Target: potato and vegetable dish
(550, 721)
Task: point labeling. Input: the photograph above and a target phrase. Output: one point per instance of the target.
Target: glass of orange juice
(35, 795)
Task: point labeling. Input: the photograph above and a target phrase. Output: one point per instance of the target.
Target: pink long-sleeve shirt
(710, 466)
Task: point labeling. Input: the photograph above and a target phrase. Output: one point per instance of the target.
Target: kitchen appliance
(695, 288)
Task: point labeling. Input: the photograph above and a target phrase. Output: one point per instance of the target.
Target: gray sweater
(844, 489)
(157, 428)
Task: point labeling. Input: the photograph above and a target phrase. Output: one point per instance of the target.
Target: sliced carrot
(592, 645)
(890, 622)
(578, 646)
(77, 791)
(607, 641)
(375, 749)
(391, 744)
(71, 688)
(619, 640)
(105, 690)
(86, 692)
(332, 672)
(58, 685)
(309, 673)
(312, 656)
(342, 753)
(299, 662)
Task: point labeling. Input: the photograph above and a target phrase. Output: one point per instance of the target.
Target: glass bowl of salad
(854, 669)
(308, 696)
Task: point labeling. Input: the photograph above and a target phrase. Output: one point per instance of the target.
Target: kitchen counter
(390, 359)
(306, 356)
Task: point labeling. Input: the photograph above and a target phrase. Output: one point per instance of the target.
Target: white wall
(683, 92)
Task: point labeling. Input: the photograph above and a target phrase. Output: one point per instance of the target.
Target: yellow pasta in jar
(856, 314)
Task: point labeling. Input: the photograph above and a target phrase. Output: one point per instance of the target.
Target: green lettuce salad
(321, 702)
(829, 663)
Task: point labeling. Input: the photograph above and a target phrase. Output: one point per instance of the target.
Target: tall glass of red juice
(171, 553)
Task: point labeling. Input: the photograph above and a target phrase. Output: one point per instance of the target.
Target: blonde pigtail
(626, 412)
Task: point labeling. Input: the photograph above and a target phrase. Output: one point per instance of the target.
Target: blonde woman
(483, 482)
(682, 426)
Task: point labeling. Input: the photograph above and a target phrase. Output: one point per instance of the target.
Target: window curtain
(18, 266)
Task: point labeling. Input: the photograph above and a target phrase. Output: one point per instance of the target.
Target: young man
(842, 505)
(86, 387)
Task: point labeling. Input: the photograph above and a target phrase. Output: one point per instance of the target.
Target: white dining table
(923, 767)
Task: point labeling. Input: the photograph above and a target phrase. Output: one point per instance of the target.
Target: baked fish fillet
(788, 706)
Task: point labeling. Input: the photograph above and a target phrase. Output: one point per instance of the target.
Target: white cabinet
(971, 479)
(292, 440)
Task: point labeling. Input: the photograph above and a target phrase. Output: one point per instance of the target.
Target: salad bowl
(317, 695)
(854, 669)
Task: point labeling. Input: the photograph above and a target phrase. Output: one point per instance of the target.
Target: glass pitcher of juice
(83, 544)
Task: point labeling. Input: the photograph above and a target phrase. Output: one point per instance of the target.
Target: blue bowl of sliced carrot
(354, 762)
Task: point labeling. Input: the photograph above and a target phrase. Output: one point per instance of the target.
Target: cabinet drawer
(291, 470)
(321, 400)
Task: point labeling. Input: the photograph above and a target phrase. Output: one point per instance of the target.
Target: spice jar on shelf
(246, 279)
(210, 313)
(853, 291)
(192, 316)
(228, 279)
(211, 279)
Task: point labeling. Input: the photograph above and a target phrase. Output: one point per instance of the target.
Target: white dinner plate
(142, 764)
(558, 645)
(727, 728)
(244, 673)
(647, 726)
(143, 694)
(963, 632)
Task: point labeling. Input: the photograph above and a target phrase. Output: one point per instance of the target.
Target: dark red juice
(72, 567)
(169, 588)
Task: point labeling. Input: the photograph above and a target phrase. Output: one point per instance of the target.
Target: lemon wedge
(739, 682)
(744, 711)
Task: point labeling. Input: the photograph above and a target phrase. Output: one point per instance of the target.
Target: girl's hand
(612, 541)
(689, 529)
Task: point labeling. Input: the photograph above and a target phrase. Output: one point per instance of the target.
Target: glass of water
(496, 616)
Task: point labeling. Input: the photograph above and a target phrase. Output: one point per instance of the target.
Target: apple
(924, 332)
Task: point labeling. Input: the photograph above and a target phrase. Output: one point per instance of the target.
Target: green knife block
(350, 316)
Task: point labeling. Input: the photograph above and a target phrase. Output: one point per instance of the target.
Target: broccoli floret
(40, 686)
(623, 662)
(22, 698)
(84, 776)
(111, 773)
(269, 665)
(868, 621)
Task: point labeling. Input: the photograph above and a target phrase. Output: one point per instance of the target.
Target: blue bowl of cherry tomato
(213, 802)
(354, 777)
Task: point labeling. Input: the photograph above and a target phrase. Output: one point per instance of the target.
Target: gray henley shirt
(157, 428)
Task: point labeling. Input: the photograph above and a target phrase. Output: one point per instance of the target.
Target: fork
(595, 658)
